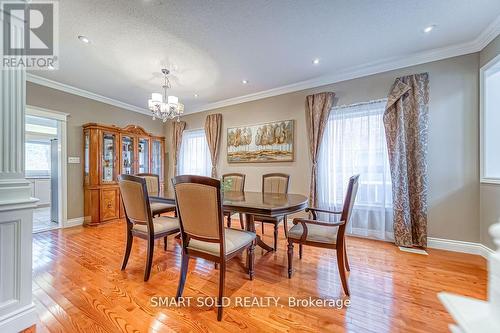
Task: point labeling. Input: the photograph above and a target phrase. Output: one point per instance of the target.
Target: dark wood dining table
(251, 204)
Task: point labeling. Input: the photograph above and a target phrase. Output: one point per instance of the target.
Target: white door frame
(62, 171)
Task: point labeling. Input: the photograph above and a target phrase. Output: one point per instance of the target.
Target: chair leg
(347, 267)
(342, 271)
(285, 226)
(182, 275)
(242, 225)
(229, 220)
(262, 226)
(216, 265)
(222, 276)
(300, 251)
(251, 259)
(128, 247)
(290, 258)
(275, 237)
(165, 243)
(149, 259)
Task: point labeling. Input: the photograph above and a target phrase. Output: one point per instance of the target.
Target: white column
(476, 316)
(17, 311)
(494, 272)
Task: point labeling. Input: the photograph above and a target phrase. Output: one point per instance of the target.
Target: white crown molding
(476, 45)
(372, 68)
(83, 93)
(488, 34)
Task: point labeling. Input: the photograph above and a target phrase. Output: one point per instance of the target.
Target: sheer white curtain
(354, 143)
(194, 156)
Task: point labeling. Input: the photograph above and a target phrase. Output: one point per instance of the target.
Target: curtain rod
(359, 104)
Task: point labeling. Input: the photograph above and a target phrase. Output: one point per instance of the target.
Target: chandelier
(165, 107)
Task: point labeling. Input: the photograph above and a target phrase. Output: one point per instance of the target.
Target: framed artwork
(269, 142)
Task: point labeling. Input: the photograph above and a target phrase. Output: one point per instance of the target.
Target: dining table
(251, 204)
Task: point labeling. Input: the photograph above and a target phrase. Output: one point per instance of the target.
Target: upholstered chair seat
(276, 183)
(201, 219)
(235, 240)
(157, 203)
(315, 233)
(234, 182)
(325, 234)
(162, 224)
(158, 207)
(140, 218)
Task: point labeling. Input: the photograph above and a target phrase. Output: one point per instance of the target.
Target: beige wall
(489, 193)
(83, 110)
(453, 138)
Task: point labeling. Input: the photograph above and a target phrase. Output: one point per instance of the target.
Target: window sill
(490, 181)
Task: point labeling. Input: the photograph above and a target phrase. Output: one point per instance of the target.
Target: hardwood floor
(78, 286)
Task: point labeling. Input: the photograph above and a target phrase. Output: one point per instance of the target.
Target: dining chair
(203, 233)
(274, 183)
(236, 183)
(330, 235)
(158, 206)
(140, 220)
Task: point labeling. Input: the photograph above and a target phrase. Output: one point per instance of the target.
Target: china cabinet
(108, 152)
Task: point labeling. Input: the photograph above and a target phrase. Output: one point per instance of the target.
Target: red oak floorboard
(78, 286)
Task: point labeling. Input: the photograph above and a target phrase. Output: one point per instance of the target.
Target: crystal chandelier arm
(167, 107)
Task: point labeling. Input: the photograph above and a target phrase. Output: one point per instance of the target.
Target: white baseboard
(19, 320)
(459, 246)
(73, 222)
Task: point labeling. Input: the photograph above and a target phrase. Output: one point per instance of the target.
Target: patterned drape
(213, 125)
(406, 127)
(177, 129)
(318, 108)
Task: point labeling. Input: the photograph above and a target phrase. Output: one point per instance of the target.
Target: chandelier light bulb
(157, 97)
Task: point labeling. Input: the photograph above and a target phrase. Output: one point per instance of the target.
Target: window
(490, 120)
(354, 143)
(37, 157)
(194, 156)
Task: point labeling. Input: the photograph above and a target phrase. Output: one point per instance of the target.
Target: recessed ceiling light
(84, 39)
(195, 95)
(244, 81)
(316, 61)
(429, 28)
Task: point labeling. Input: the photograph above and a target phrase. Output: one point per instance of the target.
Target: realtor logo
(29, 34)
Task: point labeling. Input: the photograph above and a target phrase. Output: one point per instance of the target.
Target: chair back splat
(152, 183)
(200, 208)
(350, 197)
(201, 219)
(275, 183)
(237, 181)
(135, 198)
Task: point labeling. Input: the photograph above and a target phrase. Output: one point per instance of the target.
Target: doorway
(45, 167)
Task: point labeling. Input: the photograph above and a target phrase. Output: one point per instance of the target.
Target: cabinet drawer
(110, 204)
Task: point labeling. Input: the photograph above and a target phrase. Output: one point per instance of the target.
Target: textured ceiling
(210, 46)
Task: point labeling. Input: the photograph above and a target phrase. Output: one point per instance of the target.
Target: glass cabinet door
(127, 155)
(156, 158)
(143, 150)
(108, 157)
(86, 162)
